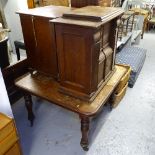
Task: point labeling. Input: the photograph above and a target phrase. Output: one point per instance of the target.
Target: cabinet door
(74, 57)
(45, 46)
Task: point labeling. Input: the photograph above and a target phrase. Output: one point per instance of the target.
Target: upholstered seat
(135, 57)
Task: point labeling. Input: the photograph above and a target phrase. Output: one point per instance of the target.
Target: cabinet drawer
(6, 126)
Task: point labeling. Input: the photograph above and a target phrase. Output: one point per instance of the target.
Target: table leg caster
(28, 104)
(84, 130)
(85, 147)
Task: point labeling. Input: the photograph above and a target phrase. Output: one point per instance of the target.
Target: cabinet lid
(96, 13)
(89, 16)
(47, 11)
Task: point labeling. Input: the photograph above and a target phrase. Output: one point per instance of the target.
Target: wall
(12, 19)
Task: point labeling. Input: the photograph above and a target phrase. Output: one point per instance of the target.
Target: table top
(89, 16)
(46, 11)
(5, 106)
(48, 89)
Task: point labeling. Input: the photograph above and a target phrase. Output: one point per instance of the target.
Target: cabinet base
(84, 96)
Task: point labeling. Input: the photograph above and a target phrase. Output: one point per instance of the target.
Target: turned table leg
(28, 104)
(84, 130)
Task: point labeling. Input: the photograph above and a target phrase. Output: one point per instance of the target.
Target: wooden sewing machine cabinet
(77, 57)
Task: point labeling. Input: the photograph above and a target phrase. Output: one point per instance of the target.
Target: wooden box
(39, 38)
(124, 79)
(14, 150)
(8, 135)
(117, 97)
(82, 3)
(86, 40)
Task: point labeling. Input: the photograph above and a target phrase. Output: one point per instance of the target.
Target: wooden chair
(19, 44)
(151, 21)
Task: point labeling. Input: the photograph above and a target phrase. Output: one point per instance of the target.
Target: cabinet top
(46, 11)
(90, 16)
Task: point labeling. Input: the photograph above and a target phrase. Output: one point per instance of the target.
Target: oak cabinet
(86, 41)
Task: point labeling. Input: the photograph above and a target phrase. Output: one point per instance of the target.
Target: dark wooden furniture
(12, 72)
(107, 3)
(19, 44)
(39, 38)
(48, 89)
(4, 58)
(86, 43)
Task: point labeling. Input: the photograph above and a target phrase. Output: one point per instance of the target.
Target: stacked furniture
(71, 58)
(82, 67)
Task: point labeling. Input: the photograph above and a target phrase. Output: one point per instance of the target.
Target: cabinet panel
(46, 58)
(74, 58)
(39, 40)
(29, 39)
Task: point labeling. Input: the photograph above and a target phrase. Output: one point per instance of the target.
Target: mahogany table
(48, 89)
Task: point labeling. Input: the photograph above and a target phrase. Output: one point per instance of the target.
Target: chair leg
(28, 104)
(18, 54)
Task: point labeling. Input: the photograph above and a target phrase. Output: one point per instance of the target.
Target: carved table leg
(28, 104)
(84, 130)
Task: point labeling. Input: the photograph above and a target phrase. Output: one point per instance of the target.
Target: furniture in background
(107, 3)
(151, 21)
(30, 4)
(137, 30)
(54, 2)
(47, 88)
(145, 13)
(134, 57)
(9, 140)
(19, 44)
(87, 63)
(127, 24)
